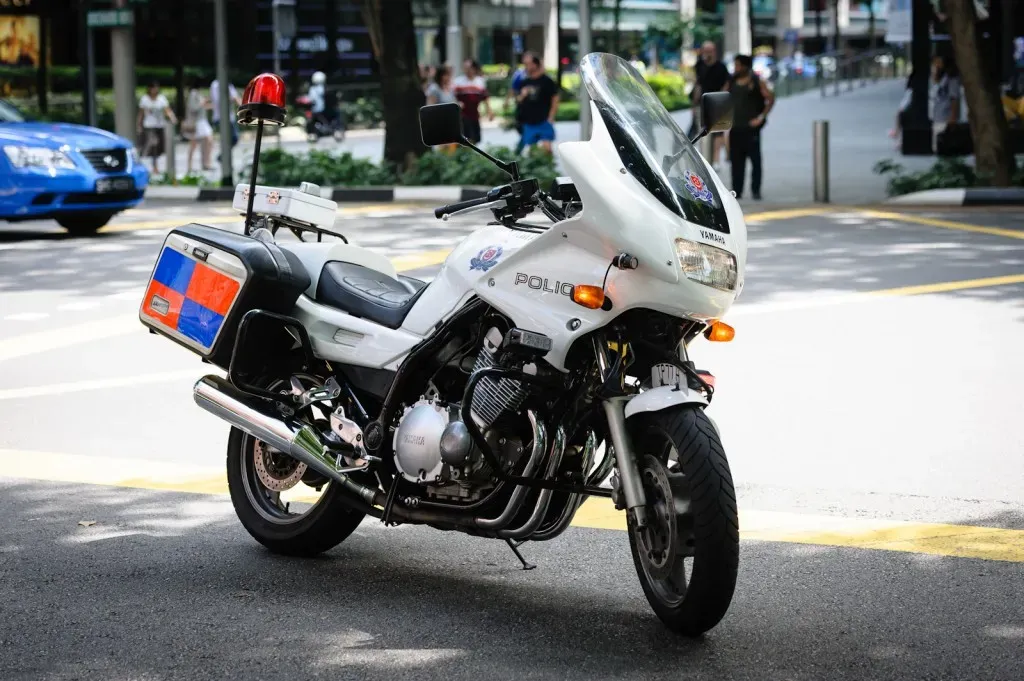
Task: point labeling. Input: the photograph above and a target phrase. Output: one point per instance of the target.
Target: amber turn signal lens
(588, 296)
(720, 332)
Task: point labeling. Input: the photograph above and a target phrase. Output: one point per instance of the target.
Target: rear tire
(84, 224)
(679, 450)
(328, 523)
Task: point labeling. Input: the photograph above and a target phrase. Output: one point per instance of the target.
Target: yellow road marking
(414, 261)
(177, 222)
(940, 539)
(944, 224)
(770, 215)
(962, 541)
(944, 286)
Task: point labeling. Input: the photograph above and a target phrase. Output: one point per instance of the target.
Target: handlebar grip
(462, 205)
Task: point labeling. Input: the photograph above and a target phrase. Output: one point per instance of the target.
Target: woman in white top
(198, 127)
(154, 112)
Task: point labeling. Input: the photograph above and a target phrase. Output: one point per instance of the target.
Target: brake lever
(499, 203)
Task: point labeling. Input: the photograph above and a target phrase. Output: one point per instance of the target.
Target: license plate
(107, 185)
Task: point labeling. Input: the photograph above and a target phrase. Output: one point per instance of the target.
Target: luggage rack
(273, 224)
(301, 210)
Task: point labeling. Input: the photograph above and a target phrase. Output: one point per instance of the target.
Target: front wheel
(258, 474)
(82, 224)
(687, 556)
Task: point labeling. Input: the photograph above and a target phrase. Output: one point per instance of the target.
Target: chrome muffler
(300, 441)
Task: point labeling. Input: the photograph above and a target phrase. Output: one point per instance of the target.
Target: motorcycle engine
(433, 446)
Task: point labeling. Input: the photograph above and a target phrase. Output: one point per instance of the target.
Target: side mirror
(716, 110)
(441, 124)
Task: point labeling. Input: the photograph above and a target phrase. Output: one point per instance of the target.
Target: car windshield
(9, 114)
(652, 146)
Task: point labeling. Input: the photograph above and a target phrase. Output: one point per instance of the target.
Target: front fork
(625, 458)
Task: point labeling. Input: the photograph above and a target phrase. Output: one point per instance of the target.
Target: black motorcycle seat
(367, 293)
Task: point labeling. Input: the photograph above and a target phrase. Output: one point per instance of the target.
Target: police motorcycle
(546, 366)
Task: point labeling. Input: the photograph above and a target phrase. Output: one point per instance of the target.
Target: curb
(981, 196)
(440, 194)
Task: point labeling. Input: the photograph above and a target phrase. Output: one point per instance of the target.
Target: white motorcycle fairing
(529, 277)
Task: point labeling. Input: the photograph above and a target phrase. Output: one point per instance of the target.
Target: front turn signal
(591, 297)
(720, 332)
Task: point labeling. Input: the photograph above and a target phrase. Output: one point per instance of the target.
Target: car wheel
(83, 224)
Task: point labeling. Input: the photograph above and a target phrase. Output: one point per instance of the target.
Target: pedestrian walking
(538, 104)
(215, 108)
(511, 97)
(196, 127)
(470, 92)
(946, 99)
(440, 89)
(154, 114)
(752, 100)
(712, 76)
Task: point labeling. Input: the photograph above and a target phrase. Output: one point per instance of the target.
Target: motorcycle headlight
(707, 265)
(38, 157)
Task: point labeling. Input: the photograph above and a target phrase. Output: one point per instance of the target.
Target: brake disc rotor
(278, 472)
(657, 543)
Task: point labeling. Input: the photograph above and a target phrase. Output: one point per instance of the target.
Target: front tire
(322, 527)
(687, 557)
(84, 224)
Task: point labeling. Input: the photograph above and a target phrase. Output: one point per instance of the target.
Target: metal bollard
(821, 180)
(169, 139)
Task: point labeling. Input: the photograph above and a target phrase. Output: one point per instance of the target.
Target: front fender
(663, 397)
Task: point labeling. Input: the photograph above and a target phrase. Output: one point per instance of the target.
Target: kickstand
(515, 549)
(389, 502)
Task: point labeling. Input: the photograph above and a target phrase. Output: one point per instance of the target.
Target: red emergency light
(263, 101)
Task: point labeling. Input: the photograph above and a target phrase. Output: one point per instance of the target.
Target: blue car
(79, 176)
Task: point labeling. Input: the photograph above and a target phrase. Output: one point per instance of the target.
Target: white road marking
(26, 316)
(75, 334)
(79, 305)
(98, 384)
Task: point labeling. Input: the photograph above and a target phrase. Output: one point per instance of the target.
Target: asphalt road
(869, 404)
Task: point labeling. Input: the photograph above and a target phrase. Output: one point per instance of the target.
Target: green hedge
(946, 173)
(461, 167)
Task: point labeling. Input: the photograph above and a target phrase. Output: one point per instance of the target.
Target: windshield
(9, 114)
(652, 146)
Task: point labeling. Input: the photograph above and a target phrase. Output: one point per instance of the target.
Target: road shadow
(167, 585)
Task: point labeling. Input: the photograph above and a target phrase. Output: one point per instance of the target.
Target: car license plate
(107, 185)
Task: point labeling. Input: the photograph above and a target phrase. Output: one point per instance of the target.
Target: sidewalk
(859, 124)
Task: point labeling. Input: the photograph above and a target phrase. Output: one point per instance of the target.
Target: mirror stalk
(700, 135)
(510, 167)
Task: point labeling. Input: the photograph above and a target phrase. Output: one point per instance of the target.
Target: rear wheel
(83, 224)
(257, 476)
(687, 556)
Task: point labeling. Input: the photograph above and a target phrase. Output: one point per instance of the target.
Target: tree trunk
(393, 36)
(989, 130)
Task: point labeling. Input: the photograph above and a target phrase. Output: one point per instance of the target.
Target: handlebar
(462, 205)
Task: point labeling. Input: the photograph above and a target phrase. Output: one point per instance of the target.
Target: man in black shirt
(712, 76)
(538, 104)
(752, 100)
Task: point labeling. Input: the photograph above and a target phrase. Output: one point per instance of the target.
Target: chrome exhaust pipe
(561, 524)
(518, 498)
(540, 509)
(300, 441)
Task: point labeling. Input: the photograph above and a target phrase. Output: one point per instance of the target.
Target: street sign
(110, 18)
